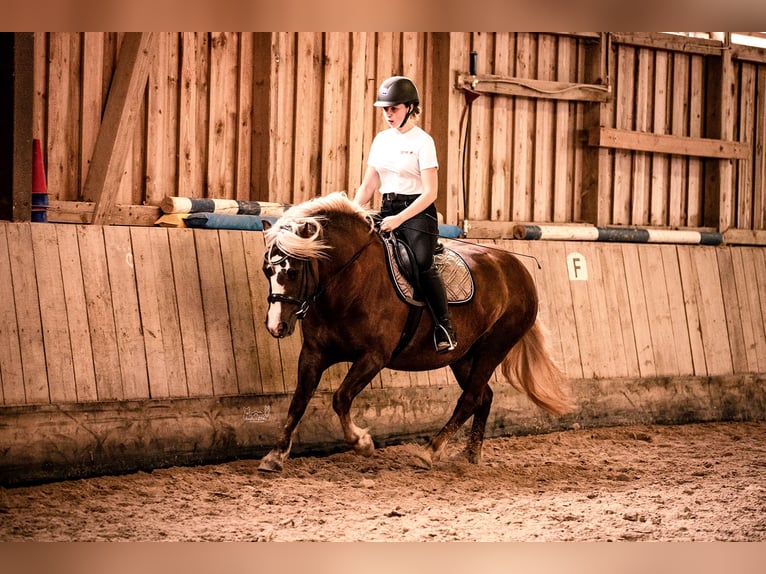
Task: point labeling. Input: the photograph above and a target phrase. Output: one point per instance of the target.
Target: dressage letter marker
(577, 266)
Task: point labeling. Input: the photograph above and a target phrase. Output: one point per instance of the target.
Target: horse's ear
(307, 229)
(266, 224)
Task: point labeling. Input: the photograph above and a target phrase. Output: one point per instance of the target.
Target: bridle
(310, 289)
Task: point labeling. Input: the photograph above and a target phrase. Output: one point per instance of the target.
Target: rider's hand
(390, 223)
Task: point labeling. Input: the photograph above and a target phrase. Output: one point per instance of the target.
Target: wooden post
(719, 173)
(114, 136)
(16, 77)
(595, 186)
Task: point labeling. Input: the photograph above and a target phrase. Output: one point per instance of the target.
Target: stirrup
(444, 340)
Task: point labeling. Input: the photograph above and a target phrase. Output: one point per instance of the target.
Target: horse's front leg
(309, 373)
(359, 376)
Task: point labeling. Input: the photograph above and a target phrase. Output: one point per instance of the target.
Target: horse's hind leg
(473, 377)
(359, 376)
(479, 426)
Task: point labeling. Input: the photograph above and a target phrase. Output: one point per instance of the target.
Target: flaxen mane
(299, 231)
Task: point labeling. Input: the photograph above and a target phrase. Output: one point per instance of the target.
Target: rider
(402, 163)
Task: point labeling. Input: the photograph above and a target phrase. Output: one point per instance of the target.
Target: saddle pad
(455, 272)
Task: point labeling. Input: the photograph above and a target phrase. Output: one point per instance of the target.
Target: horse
(326, 267)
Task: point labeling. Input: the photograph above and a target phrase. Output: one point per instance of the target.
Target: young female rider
(402, 164)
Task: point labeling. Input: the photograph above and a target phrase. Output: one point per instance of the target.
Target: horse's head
(295, 244)
(290, 267)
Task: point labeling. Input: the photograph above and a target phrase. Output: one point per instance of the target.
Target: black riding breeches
(420, 233)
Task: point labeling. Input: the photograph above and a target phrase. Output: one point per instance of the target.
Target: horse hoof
(424, 459)
(270, 463)
(364, 445)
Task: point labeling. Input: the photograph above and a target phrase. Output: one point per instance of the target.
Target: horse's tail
(530, 369)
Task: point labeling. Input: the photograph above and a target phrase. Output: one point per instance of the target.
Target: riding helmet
(397, 90)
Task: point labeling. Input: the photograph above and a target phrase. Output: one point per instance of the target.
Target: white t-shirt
(399, 159)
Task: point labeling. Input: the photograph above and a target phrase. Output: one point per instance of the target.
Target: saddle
(403, 273)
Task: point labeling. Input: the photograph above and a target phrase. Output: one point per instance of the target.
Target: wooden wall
(286, 116)
(104, 313)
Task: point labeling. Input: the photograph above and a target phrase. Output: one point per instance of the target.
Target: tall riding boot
(435, 294)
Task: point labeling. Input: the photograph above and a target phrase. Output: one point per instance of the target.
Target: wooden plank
(216, 311)
(307, 116)
(359, 107)
(759, 178)
(451, 52)
(335, 101)
(244, 125)
(678, 317)
(92, 97)
(692, 301)
(158, 122)
(479, 140)
(594, 202)
(744, 262)
(59, 166)
(82, 211)
(269, 365)
(148, 284)
(53, 314)
(562, 149)
(77, 313)
(658, 308)
(98, 299)
(543, 166)
(624, 110)
(695, 176)
(222, 109)
(120, 115)
(11, 367)
(638, 310)
(677, 197)
(665, 41)
(188, 184)
(593, 327)
(532, 254)
(658, 191)
(521, 205)
(670, 144)
(500, 168)
(25, 294)
(281, 120)
(746, 116)
(618, 302)
(127, 320)
(735, 319)
(553, 261)
(641, 163)
(715, 338)
(240, 311)
(757, 278)
(191, 318)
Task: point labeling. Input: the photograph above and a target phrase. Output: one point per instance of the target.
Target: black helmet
(397, 90)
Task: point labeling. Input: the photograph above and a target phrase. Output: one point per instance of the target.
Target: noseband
(306, 297)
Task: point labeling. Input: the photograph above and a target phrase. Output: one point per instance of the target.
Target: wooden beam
(544, 89)
(744, 236)
(664, 41)
(661, 143)
(114, 136)
(82, 212)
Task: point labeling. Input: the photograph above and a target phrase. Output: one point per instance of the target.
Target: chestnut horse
(325, 265)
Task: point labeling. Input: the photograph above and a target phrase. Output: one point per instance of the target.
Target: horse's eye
(268, 270)
(292, 274)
